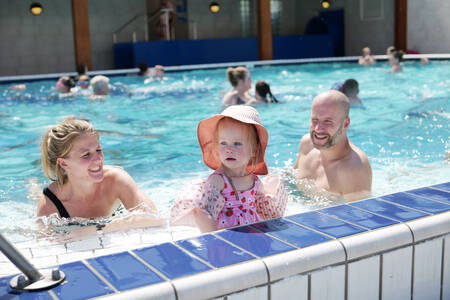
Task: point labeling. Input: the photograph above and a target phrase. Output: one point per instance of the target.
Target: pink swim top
(238, 210)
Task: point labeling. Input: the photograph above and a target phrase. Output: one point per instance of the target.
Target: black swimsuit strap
(62, 211)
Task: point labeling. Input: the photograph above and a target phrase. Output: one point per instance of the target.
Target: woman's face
(246, 83)
(85, 159)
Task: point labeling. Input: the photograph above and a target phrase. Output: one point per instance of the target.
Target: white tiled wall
(334, 277)
(363, 279)
(45, 44)
(36, 44)
(294, 287)
(253, 293)
(446, 273)
(396, 279)
(427, 270)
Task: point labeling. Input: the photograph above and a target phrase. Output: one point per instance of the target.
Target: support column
(401, 16)
(265, 51)
(80, 19)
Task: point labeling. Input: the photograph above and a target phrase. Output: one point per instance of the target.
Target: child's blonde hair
(250, 136)
(57, 142)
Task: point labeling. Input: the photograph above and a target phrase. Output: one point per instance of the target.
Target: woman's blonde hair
(57, 142)
(236, 74)
(250, 135)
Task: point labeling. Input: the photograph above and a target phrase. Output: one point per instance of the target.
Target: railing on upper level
(137, 28)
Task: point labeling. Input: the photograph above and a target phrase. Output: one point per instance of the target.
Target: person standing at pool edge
(327, 156)
(82, 186)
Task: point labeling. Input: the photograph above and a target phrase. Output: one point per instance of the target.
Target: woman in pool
(82, 186)
(241, 82)
(233, 144)
(397, 57)
(65, 84)
(262, 90)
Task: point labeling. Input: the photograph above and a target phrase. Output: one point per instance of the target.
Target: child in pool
(233, 144)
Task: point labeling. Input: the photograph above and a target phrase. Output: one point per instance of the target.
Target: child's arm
(271, 198)
(203, 220)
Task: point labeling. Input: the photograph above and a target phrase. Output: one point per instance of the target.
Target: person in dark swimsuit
(82, 186)
(241, 82)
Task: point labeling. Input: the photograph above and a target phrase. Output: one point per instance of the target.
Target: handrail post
(35, 280)
(19, 260)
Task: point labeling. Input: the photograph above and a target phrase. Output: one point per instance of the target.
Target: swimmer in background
(64, 85)
(424, 61)
(241, 83)
(83, 81)
(82, 186)
(397, 57)
(366, 59)
(18, 87)
(262, 90)
(101, 88)
(389, 52)
(351, 89)
(144, 70)
(157, 73)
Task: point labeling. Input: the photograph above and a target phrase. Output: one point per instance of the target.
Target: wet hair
(143, 67)
(398, 54)
(159, 67)
(263, 88)
(250, 135)
(350, 87)
(236, 74)
(390, 49)
(67, 81)
(57, 142)
(81, 69)
(83, 77)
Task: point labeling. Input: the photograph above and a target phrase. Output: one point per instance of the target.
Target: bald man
(327, 156)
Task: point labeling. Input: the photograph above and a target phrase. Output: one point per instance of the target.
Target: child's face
(234, 148)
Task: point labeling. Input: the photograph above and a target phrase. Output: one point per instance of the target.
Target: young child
(233, 144)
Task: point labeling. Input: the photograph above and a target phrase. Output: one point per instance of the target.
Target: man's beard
(331, 140)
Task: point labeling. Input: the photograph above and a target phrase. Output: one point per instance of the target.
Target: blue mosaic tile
(432, 194)
(443, 186)
(6, 292)
(416, 202)
(357, 216)
(171, 260)
(291, 233)
(214, 250)
(254, 241)
(326, 224)
(124, 271)
(80, 283)
(389, 210)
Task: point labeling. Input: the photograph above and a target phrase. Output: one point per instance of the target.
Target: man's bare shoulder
(306, 145)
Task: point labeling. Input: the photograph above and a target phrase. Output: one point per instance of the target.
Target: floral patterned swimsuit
(237, 212)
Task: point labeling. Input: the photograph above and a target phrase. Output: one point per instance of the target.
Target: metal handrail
(34, 280)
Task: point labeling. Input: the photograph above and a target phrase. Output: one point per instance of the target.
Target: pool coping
(248, 64)
(358, 244)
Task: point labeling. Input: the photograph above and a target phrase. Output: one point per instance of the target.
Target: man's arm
(303, 149)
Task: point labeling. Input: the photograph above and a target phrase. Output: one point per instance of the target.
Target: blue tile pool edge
(444, 215)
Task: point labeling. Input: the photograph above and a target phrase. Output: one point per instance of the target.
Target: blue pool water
(403, 127)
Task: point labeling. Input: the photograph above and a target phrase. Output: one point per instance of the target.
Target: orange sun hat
(242, 113)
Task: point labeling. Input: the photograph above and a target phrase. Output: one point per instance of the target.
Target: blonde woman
(241, 82)
(82, 186)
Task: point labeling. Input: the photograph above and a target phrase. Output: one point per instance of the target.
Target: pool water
(403, 128)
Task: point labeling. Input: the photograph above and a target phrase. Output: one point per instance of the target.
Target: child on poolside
(233, 144)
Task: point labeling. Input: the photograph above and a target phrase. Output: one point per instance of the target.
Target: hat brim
(205, 134)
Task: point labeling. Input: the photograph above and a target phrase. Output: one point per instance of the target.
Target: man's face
(327, 125)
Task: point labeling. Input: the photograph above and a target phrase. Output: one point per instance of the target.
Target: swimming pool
(404, 129)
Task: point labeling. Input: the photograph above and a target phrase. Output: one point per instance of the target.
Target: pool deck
(176, 263)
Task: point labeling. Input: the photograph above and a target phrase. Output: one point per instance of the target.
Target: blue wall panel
(302, 46)
(189, 52)
(123, 55)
